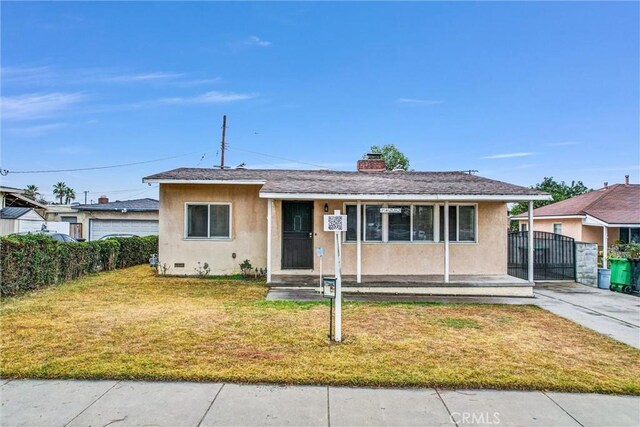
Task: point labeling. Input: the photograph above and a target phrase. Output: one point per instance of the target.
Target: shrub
(33, 261)
(135, 250)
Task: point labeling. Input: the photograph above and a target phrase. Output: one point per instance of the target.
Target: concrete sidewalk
(127, 403)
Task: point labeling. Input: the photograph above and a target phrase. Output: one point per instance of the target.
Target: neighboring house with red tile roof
(601, 216)
(441, 230)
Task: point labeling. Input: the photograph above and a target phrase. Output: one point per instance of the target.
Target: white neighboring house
(93, 221)
(19, 220)
(22, 214)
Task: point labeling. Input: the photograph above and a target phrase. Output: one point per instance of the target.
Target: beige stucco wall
(571, 227)
(249, 239)
(248, 229)
(594, 235)
(487, 256)
(574, 228)
(55, 213)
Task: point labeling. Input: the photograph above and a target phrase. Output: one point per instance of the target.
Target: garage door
(101, 227)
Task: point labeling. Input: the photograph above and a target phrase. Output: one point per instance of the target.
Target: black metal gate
(553, 256)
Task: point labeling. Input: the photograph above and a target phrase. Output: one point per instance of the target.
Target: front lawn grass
(131, 324)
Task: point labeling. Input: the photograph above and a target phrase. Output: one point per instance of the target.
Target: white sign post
(337, 223)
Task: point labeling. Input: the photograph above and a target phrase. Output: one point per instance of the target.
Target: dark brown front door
(297, 235)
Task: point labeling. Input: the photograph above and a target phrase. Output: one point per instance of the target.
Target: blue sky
(517, 91)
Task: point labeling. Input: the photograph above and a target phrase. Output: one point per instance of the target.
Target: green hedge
(34, 261)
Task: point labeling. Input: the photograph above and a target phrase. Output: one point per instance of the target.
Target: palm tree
(59, 190)
(69, 195)
(31, 192)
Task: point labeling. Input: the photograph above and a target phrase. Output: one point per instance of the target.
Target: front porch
(428, 284)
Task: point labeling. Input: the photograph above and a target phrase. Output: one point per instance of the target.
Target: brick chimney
(372, 163)
(626, 180)
(103, 199)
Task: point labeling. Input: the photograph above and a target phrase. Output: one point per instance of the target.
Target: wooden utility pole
(224, 132)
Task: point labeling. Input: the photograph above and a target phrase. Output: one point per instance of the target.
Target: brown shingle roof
(616, 204)
(339, 182)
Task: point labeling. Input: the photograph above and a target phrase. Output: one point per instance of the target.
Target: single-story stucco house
(602, 216)
(96, 220)
(274, 218)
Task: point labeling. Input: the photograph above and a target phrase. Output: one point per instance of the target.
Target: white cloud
(37, 130)
(416, 102)
(37, 105)
(257, 41)
(253, 41)
(508, 155)
(213, 97)
(141, 77)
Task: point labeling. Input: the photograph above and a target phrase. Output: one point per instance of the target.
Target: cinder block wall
(587, 263)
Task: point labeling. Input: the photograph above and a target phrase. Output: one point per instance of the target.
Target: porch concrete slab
(48, 403)
(262, 405)
(600, 410)
(304, 295)
(407, 280)
(170, 404)
(510, 408)
(386, 407)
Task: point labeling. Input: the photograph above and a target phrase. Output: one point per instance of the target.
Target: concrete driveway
(610, 313)
(175, 404)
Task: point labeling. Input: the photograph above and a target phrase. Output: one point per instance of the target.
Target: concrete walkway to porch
(176, 404)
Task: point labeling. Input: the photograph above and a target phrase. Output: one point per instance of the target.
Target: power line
(5, 172)
(276, 157)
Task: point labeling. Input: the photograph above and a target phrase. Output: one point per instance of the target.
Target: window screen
(197, 220)
(423, 223)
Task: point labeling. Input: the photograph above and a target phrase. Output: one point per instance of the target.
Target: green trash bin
(620, 275)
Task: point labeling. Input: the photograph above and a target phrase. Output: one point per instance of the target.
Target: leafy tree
(60, 190)
(31, 192)
(559, 191)
(391, 155)
(69, 195)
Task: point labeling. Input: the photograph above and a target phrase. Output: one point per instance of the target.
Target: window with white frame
(423, 223)
(208, 220)
(523, 226)
(557, 228)
(411, 223)
(462, 223)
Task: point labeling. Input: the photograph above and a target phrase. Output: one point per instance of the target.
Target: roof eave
(204, 181)
(406, 197)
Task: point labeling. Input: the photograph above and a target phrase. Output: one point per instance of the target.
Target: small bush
(34, 261)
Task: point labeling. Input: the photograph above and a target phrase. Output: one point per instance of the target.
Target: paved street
(126, 403)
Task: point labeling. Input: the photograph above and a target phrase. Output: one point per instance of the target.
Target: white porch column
(269, 230)
(605, 246)
(446, 242)
(358, 243)
(530, 244)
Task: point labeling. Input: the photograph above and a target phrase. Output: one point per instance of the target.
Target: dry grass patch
(132, 324)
